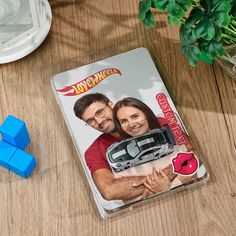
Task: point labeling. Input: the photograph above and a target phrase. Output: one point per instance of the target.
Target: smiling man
(97, 111)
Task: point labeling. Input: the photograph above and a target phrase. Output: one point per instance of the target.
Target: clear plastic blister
(130, 139)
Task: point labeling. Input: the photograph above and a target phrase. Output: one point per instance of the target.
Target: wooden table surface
(56, 199)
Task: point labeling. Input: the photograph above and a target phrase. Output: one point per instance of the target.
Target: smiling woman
(133, 121)
(133, 117)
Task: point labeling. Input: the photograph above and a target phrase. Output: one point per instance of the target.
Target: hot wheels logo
(88, 83)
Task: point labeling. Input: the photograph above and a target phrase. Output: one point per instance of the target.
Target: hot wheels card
(129, 136)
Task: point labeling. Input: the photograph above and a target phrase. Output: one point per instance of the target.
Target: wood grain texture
(56, 199)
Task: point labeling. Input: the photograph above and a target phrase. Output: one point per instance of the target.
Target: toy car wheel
(127, 167)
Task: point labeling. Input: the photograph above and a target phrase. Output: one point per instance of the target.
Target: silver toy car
(150, 146)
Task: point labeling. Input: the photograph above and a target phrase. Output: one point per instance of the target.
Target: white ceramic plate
(27, 42)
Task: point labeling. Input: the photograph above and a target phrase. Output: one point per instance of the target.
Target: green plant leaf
(186, 4)
(149, 20)
(218, 34)
(200, 30)
(221, 18)
(160, 5)
(174, 20)
(206, 58)
(192, 53)
(208, 5)
(214, 48)
(144, 7)
(205, 22)
(233, 9)
(220, 13)
(210, 31)
(186, 35)
(204, 29)
(222, 6)
(194, 17)
(175, 10)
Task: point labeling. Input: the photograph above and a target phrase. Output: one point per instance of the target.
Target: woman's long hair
(134, 102)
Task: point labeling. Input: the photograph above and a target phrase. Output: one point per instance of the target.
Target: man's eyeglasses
(100, 113)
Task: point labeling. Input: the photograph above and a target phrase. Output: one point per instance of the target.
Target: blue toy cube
(6, 152)
(22, 163)
(14, 132)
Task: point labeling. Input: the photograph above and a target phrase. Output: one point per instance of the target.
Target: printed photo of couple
(132, 157)
(129, 137)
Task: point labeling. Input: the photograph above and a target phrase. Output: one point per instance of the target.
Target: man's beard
(110, 129)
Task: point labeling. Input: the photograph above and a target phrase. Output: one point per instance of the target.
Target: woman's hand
(157, 181)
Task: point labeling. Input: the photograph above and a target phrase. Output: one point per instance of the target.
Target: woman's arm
(156, 182)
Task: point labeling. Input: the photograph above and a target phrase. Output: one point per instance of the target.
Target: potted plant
(207, 27)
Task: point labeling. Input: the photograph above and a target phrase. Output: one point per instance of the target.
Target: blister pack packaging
(129, 136)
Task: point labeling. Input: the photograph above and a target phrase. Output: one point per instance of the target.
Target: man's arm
(117, 189)
(123, 188)
(161, 183)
